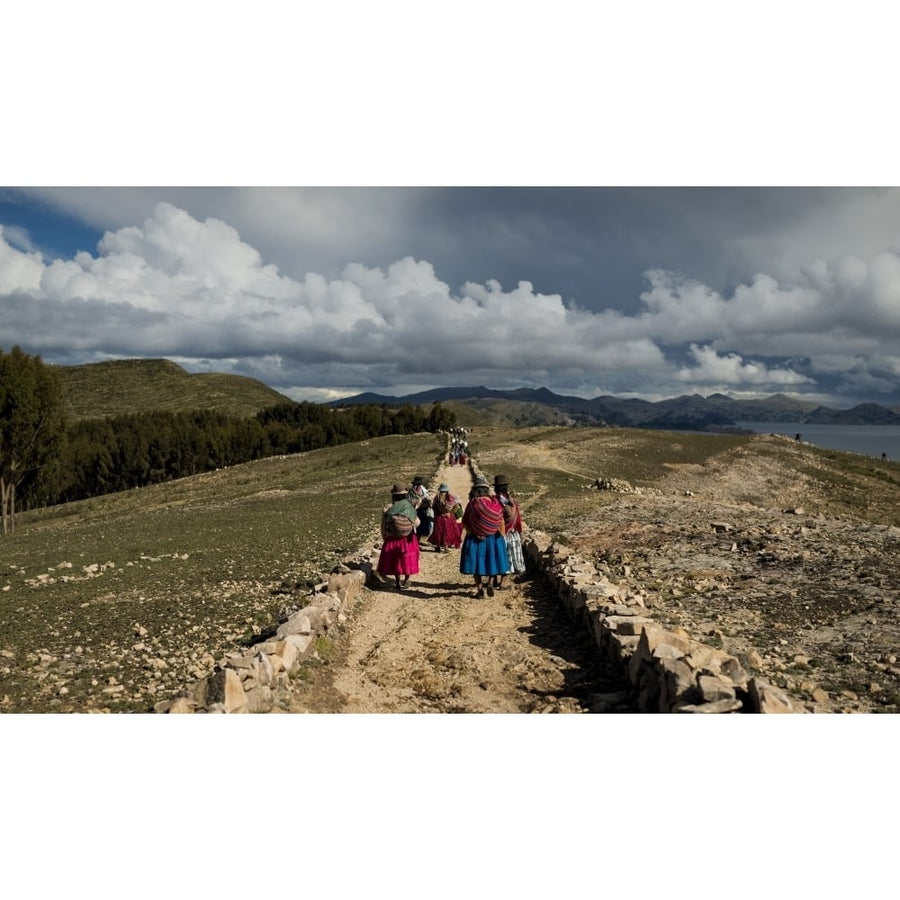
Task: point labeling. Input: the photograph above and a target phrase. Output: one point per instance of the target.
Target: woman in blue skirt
(484, 547)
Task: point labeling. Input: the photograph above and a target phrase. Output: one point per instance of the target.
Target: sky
(506, 224)
(322, 292)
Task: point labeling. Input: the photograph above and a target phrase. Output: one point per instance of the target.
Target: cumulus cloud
(732, 370)
(196, 291)
(19, 270)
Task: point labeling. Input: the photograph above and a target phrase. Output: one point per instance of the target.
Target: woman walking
(447, 531)
(484, 547)
(426, 520)
(512, 518)
(399, 555)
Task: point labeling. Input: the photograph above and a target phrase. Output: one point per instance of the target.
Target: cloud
(731, 370)
(197, 291)
(299, 229)
(18, 238)
(19, 270)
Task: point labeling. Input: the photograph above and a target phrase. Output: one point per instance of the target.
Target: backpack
(397, 525)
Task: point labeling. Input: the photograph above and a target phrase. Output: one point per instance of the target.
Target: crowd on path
(459, 446)
(487, 531)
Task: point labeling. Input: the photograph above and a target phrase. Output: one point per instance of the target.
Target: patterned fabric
(400, 508)
(514, 551)
(512, 515)
(484, 556)
(483, 516)
(444, 504)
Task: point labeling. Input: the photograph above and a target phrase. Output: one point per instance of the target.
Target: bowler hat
(399, 489)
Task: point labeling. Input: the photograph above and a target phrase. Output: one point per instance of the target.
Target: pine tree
(32, 424)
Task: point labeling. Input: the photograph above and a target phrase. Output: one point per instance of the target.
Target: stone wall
(669, 671)
(258, 680)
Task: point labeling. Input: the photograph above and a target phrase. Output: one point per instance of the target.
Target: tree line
(45, 460)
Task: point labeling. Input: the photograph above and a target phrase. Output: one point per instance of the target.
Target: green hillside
(124, 386)
(200, 564)
(487, 411)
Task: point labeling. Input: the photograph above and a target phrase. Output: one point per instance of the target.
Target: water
(870, 440)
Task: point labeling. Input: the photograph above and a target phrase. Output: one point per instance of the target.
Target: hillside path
(435, 648)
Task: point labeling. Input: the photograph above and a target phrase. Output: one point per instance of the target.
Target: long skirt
(447, 532)
(399, 556)
(514, 551)
(484, 556)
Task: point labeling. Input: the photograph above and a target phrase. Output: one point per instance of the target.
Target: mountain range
(134, 385)
(716, 412)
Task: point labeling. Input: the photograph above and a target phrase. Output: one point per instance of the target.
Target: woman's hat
(480, 481)
(418, 480)
(444, 488)
(399, 489)
(501, 481)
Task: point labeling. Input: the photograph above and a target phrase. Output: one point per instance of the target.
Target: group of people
(488, 531)
(459, 447)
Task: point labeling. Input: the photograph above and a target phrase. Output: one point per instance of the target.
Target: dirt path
(435, 648)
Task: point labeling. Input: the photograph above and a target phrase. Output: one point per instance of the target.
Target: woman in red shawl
(484, 548)
(400, 548)
(512, 517)
(447, 531)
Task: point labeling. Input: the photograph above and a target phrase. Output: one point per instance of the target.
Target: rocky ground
(783, 555)
(808, 599)
(435, 648)
(777, 553)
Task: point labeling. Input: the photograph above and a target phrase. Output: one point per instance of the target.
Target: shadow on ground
(594, 682)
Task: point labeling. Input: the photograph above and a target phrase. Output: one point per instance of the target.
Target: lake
(870, 440)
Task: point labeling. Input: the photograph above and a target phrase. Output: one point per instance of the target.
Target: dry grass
(117, 602)
(94, 594)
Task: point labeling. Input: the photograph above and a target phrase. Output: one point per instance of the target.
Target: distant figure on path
(484, 547)
(447, 531)
(884, 457)
(400, 547)
(797, 438)
(512, 518)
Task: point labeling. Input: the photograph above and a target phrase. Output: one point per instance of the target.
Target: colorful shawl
(483, 516)
(512, 515)
(444, 504)
(398, 508)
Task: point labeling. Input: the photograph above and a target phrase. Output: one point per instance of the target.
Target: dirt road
(435, 648)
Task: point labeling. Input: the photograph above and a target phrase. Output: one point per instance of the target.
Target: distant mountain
(864, 414)
(116, 387)
(777, 408)
(718, 412)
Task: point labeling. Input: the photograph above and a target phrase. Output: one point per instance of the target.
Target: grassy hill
(116, 602)
(124, 386)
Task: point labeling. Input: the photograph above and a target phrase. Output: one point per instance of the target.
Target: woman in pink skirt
(447, 531)
(399, 555)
